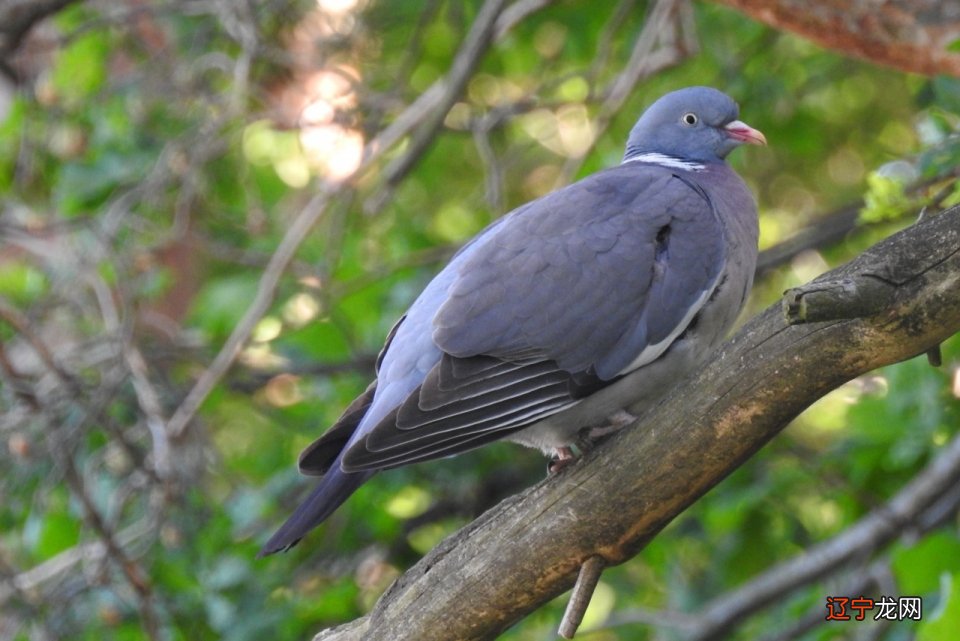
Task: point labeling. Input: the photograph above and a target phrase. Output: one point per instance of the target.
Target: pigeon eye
(690, 119)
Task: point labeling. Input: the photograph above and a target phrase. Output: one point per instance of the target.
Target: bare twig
(149, 401)
(132, 571)
(583, 589)
(39, 578)
(428, 101)
(266, 290)
(516, 13)
(830, 228)
(605, 40)
(494, 171)
(654, 50)
(468, 57)
(21, 324)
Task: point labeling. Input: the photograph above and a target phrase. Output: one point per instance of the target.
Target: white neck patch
(665, 161)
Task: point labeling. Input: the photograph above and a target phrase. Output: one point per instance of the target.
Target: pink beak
(743, 132)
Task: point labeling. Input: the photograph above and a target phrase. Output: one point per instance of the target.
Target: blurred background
(183, 182)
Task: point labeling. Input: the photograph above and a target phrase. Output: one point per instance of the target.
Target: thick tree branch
(528, 550)
(910, 35)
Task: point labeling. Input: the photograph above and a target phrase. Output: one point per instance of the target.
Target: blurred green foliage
(146, 169)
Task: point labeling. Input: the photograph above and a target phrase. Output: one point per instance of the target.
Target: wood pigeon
(565, 314)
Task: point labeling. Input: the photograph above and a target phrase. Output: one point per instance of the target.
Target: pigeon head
(693, 124)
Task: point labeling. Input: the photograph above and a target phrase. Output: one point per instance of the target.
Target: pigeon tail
(335, 487)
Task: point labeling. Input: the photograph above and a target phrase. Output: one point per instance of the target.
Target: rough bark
(527, 550)
(910, 35)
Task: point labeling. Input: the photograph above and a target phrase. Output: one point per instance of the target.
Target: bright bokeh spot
(575, 129)
(818, 515)
(458, 117)
(267, 329)
(808, 265)
(846, 167)
(337, 6)
(260, 356)
(335, 151)
(771, 231)
(283, 390)
(455, 223)
(550, 39)
(601, 605)
(575, 89)
(264, 145)
(332, 149)
(301, 309)
(294, 171)
(408, 502)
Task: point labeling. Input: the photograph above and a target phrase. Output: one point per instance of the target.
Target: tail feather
(335, 487)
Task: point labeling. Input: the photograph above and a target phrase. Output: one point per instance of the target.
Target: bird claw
(587, 439)
(562, 459)
(615, 422)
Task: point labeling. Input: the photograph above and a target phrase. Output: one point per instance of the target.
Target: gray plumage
(593, 299)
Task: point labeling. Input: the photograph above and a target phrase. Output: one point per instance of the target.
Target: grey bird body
(596, 298)
(693, 344)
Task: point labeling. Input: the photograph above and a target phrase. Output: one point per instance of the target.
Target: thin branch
(654, 50)
(429, 100)
(829, 229)
(266, 289)
(51, 572)
(606, 39)
(493, 169)
(149, 401)
(515, 14)
(21, 324)
(468, 57)
(587, 580)
(132, 571)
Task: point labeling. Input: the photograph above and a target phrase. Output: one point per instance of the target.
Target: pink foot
(563, 459)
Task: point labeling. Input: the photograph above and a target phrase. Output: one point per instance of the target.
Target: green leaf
(944, 622)
(946, 93)
(81, 67)
(85, 184)
(21, 283)
(58, 532)
(319, 341)
(918, 568)
(885, 199)
(222, 303)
